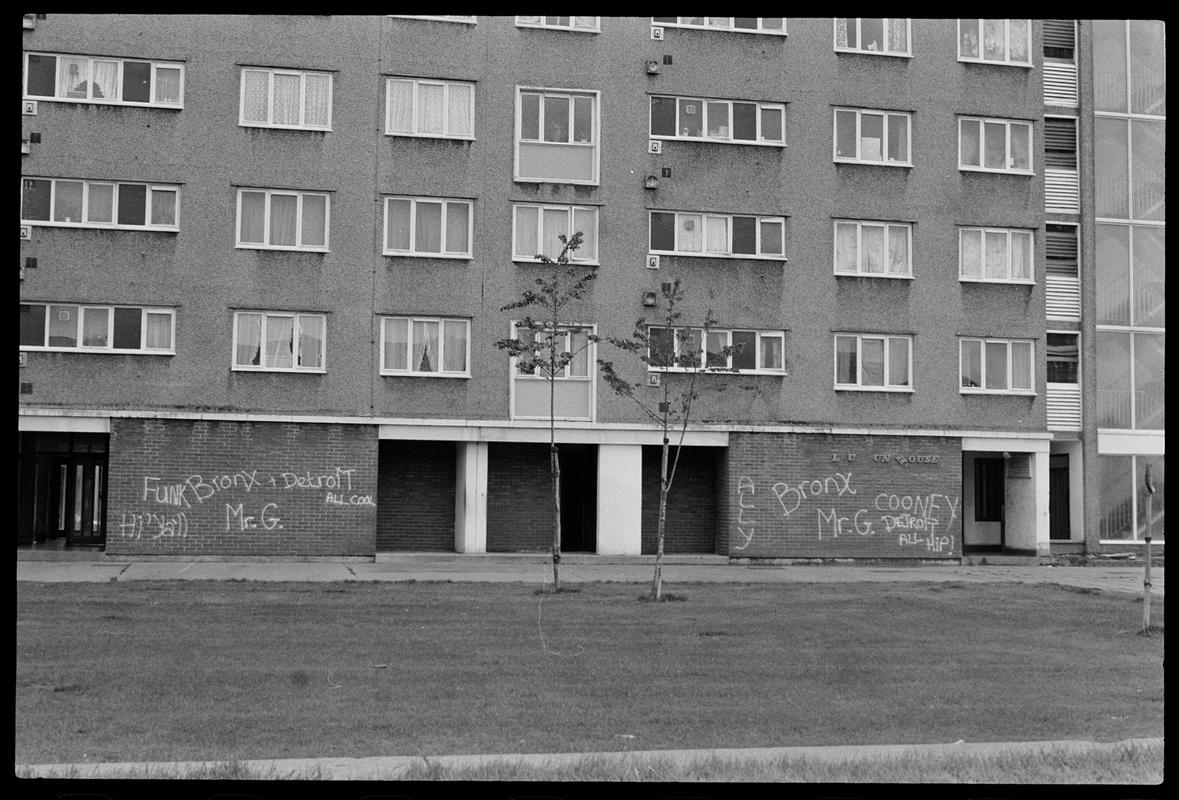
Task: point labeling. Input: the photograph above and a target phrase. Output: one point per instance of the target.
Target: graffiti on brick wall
(839, 509)
(222, 491)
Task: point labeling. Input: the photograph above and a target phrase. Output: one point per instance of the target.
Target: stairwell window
(273, 341)
(283, 98)
(996, 366)
(717, 235)
(536, 227)
(436, 347)
(995, 41)
(996, 255)
(108, 81)
(556, 136)
(430, 108)
(873, 249)
(276, 219)
(994, 145)
(873, 362)
(97, 329)
(878, 37)
(728, 121)
(427, 226)
(99, 204)
(867, 136)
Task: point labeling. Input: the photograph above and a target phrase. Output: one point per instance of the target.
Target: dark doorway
(62, 489)
(990, 494)
(579, 498)
(1058, 505)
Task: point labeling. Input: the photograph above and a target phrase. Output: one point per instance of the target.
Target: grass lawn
(181, 670)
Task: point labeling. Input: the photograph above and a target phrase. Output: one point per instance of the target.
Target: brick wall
(841, 496)
(183, 487)
(519, 498)
(416, 496)
(691, 503)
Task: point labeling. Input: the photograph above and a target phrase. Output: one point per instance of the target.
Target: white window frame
(460, 18)
(109, 347)
(885, 21)
(271, 72)
(730, 27)
(859, 159)
(440, 372)
(156, 66)
(298, 317)
(413, 252)
(1009, 233)
(270, 194)
(566, 331)
(678, 336)
(417, 83)
(983, 342)
(704, 136)
(859, 385)
(757, 218)
(982, 146)
(571, 26)
(152, 189)
(860, 224)
(1006, 61)
(595, 142)
(569, 231)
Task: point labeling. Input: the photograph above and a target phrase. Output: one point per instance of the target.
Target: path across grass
(186, 671)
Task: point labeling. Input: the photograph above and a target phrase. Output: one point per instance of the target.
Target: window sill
(908, 277)
(558, 28)
(714, 29)
(304, 128)
(777, 373)
(735, 257)
(281, 248)
(78, 101)
(577, 262)
(279, 371)
(444, 137)
(97, 226)
(897, 164)
(537, 378)
(710, 140)
(859, 52)
(106, 351)
(997, 281)
(964, 60)
(407, 374)
(995, 393)
(887, 389)
(1024, 172)
(447, 256)
(518, 179)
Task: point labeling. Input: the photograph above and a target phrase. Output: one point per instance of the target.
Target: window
(97, 329)
(427, 226)
(680, 350)
(278, 341)
(718, 235)
(117, 81)
(274, 219)
(995, 41)
(878, 249)
(573, 385)
(774, 25)
(1060, 39)
(994, 145)
(872, 362)
(436, 109)
(582, 24)
(282, 98)
(470, 20)
(1002, 255)
(433, 346)
(731, 121)
(556, 136)
(1063, 357)
(100, 204)
(882, 37)
(872, 137)
(536, 227)
(996, 366)
(1060, 249)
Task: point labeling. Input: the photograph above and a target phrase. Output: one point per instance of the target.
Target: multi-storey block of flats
(265, 262)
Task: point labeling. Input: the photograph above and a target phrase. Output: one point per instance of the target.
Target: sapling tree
(539, 347)
(682, 353)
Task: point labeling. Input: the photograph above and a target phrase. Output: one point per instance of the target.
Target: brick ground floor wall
(519, 498)
(416, 496)
(691, 504)
(797, 495)
(185, 487)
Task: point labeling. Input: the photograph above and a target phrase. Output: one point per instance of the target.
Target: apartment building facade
(265, 260)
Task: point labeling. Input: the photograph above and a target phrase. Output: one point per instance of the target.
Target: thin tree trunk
(657, 583)
(556, 469)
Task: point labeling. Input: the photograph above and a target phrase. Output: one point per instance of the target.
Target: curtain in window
(255, 96)
(249, 340)
(167, 86)
(846, 247)
(716, 235)
(994, 39)
(158, 335)
(771, 352)
(318, 91)
(996, 365)
(898, 137)
(67, 201)
(425, 346)
(396, 343)
(968, 45)
(586, 221)
(459, 110)
(163, 207)
(286, 99)
(842, 27)
(397, 232)
(771, 238)
(105, 84)
(456, 228)
(578, 346)
(1017, 37)
(454, 345)
(314, 221)
(968, 143)
(971, 363)
(898, 250)
(1021, 365)
(75, 74)
(95, 324)
(100, 202)
(898, 35)
(311, 342)
(714, 343)
(846, 367)
(898, 362)
(995, 264)
(527, 222)
(875, 256)
(428, 228)
(400, 100)
(688, 239)
(431, 108)
(1021, 256)
(556, 222)
(253, 216)
(872, 362)
(283, 219)
(971, 244)
(280, 342)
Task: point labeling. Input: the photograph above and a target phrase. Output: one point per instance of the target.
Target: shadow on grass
(665, 597)
(562, 590)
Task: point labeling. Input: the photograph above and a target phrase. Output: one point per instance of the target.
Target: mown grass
(215, 671)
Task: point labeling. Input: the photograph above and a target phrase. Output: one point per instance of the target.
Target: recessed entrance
(62, 489)
(579, 498)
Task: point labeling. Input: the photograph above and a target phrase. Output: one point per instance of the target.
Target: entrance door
(77, 499)
(579, 498)
(987, 529)
(1058, 505)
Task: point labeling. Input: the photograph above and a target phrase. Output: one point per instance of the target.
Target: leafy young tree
(683, 352)
(538, 347)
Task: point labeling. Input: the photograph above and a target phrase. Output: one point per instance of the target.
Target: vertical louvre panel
(1060, 84)
(1064, 406)
(1062, 297)
(1062, 190)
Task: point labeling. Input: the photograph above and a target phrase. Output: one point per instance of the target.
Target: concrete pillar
(620, 499)
(470, 498)
(1040, 479)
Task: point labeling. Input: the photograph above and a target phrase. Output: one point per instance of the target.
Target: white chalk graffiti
(837, 483)
(154, 526)
(744, 526)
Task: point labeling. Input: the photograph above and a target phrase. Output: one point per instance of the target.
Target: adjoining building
(265, 261)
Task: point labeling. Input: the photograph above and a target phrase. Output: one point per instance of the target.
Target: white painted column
(620, 499)
(470, 498)
(1043, 528)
